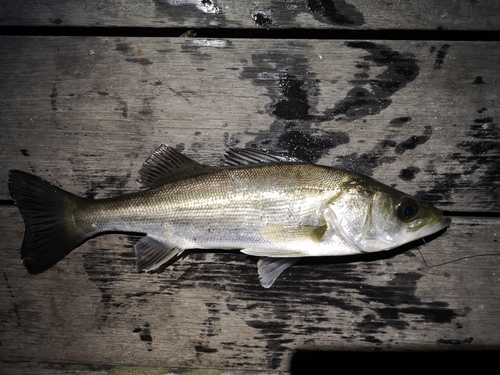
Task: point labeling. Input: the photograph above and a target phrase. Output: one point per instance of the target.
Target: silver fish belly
(267, 205)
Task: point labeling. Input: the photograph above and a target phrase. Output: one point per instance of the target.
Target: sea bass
(275, 207)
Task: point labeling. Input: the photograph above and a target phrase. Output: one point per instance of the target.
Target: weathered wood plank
(320, 14)
(30, 368)
(86, 112)
(208, 310)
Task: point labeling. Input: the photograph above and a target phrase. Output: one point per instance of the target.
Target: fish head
(373, 217)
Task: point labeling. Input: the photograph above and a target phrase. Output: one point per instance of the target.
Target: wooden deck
(84, 112)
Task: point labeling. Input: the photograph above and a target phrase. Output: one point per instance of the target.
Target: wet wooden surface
(85, 112)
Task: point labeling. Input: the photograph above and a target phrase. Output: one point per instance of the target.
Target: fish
(265, 204)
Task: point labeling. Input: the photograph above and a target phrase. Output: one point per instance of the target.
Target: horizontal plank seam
(245, 33)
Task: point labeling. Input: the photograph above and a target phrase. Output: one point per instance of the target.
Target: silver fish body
(271, 206)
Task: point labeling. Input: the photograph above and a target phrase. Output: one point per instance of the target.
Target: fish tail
(51, 232)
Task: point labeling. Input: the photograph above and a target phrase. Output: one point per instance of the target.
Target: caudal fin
(51, 232)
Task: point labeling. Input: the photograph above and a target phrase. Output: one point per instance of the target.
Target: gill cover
(373, 217)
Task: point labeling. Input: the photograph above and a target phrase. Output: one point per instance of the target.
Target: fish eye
(407, 208)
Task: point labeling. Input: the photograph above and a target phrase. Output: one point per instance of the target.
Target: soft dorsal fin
(246, 156)
(166, 164)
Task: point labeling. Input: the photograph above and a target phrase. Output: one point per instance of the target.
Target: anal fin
(152, 253)
(270, 268)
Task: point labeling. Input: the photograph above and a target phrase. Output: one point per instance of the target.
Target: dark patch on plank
(211, 325)
(124, 48)
(359, 102)
(24, 152)
(400, 121)
(297, 84)
(478, 81)
(387, 143)
(203, 349)
(283, 302)
(434, 312)
(371, 95)
(372, 339)
(11, 292)
(146, 111)
(332, 12)
(414, 141)
(230, 140)
(336, 12)
(123, 108)
(308, 147)
(440, 55)
(262, 19)
(291, 87)
(113, 182)
(367, 162)
(140, 60)
(145, 335)
(324, 282)
(455, 342)
(364, 163)
(411, 143)
(106, 269)
(56, 21)
(295, 104)
(408, 174)
(294, 93)
(273, 333)
(441, 191)
(482, 154)
(53, 97)
(317, 286)
(479, 156)
(402, 306)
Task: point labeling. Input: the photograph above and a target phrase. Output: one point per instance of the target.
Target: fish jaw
(443, 223)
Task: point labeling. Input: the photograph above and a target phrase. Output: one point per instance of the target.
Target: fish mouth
(444, 222)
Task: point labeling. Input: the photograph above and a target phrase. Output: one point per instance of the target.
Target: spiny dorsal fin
(166, 164)
(246, 156)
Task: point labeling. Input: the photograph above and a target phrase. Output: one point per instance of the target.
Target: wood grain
(266, 14)
(85, 112)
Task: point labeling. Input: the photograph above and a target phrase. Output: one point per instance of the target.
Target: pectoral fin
(289, 233)
(152, 252)
(270, 268)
